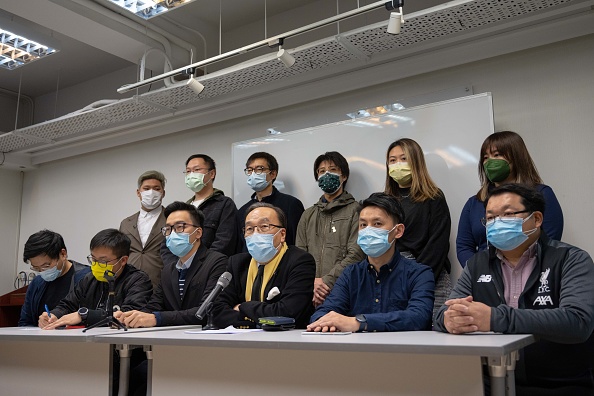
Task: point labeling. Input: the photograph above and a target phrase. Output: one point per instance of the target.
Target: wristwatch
(362, 322)
(83, 312)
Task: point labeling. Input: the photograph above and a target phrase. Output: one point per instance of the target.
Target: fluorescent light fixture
(146, 9)
(287, 59)
(16, 51)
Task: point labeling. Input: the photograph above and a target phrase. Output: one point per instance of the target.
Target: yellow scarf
(269, 270)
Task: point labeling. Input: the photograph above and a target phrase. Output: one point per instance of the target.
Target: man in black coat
(273, 279)
(185, 284)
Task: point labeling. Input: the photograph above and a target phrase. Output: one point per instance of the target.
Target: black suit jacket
(201, 278)
(294, 277)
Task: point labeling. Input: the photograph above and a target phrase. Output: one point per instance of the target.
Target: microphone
(222, 283)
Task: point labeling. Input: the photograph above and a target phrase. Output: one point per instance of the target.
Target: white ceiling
(92, 44)
(94, 40)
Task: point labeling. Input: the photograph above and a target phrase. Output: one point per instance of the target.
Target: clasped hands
(465, 316)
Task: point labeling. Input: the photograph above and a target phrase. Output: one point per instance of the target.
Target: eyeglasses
(262, 229)
(331, 169)
(504, 217)
(258, 170)
(196, 170)
(177, 227)
(42, 268)
(101, 263)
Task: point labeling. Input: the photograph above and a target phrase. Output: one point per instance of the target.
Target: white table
(53, 362)
(57, 362)
(289, 363)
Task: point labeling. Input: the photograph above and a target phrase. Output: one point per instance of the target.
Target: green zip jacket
(328, 231)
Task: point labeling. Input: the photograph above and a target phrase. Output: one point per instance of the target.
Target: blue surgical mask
(51, 274)
(179, 244)
(329, 182)
(261, 247)
(507, 234)
(257, 182)
(374, 241)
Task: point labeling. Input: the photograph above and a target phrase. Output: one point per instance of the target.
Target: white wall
(10, 204)
(545, 94)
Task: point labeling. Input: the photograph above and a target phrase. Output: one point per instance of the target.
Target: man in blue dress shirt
(384, 292)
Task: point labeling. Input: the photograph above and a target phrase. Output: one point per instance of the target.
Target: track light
(285, 57)
(395, 22)
(194, 85)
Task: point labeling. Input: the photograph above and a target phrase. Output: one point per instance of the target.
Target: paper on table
(227, 330)
(326, 333)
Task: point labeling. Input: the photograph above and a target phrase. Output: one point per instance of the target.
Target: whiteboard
(450, 132)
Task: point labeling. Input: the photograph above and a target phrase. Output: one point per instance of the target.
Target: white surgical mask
(151, 198)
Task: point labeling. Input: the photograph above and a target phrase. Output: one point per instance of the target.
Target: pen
(48, 312)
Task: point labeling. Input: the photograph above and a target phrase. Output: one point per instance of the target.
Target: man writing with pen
(45, 252)
(86, 303)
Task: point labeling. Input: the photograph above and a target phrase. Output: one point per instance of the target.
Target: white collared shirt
(186, 264)
(146, 221)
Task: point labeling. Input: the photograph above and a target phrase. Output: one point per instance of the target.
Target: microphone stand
(209, 321)
(109, 320)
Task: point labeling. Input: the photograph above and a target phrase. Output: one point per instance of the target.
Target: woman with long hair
(427, 221)
(504, 159)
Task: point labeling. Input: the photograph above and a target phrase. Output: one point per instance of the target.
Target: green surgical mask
(497, 170)
(195, 181)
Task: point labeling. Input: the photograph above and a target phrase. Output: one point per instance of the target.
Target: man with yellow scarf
(273, 279)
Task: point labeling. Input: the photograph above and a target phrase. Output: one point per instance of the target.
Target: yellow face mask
(401, 173)
(98, 270)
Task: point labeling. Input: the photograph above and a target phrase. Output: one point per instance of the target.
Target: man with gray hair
(144, 227)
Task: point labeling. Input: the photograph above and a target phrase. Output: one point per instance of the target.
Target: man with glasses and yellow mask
(272, 279)
(86, 303)
(46, 254)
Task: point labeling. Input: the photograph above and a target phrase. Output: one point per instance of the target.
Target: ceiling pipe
(191, 48)
(162, 37)
(264, 43)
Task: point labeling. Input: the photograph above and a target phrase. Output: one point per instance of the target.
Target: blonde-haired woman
(427, 219)
(504, 158)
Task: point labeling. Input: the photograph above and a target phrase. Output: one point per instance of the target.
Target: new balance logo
(543, 300)
(484, 278)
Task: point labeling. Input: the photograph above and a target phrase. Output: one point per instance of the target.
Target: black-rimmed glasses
(177, 227)
(101, 263)
(258, 170)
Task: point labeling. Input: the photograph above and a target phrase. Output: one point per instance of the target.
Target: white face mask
(150, 199)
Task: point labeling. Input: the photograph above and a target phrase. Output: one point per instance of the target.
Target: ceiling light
(287, 59)
(394, 23)
(195, 85)
(146, 9)
(16, 51)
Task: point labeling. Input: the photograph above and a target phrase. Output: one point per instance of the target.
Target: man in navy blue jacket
(46, 253)
(384, 292)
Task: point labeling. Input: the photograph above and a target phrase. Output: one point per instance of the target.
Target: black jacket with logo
(556, 305)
